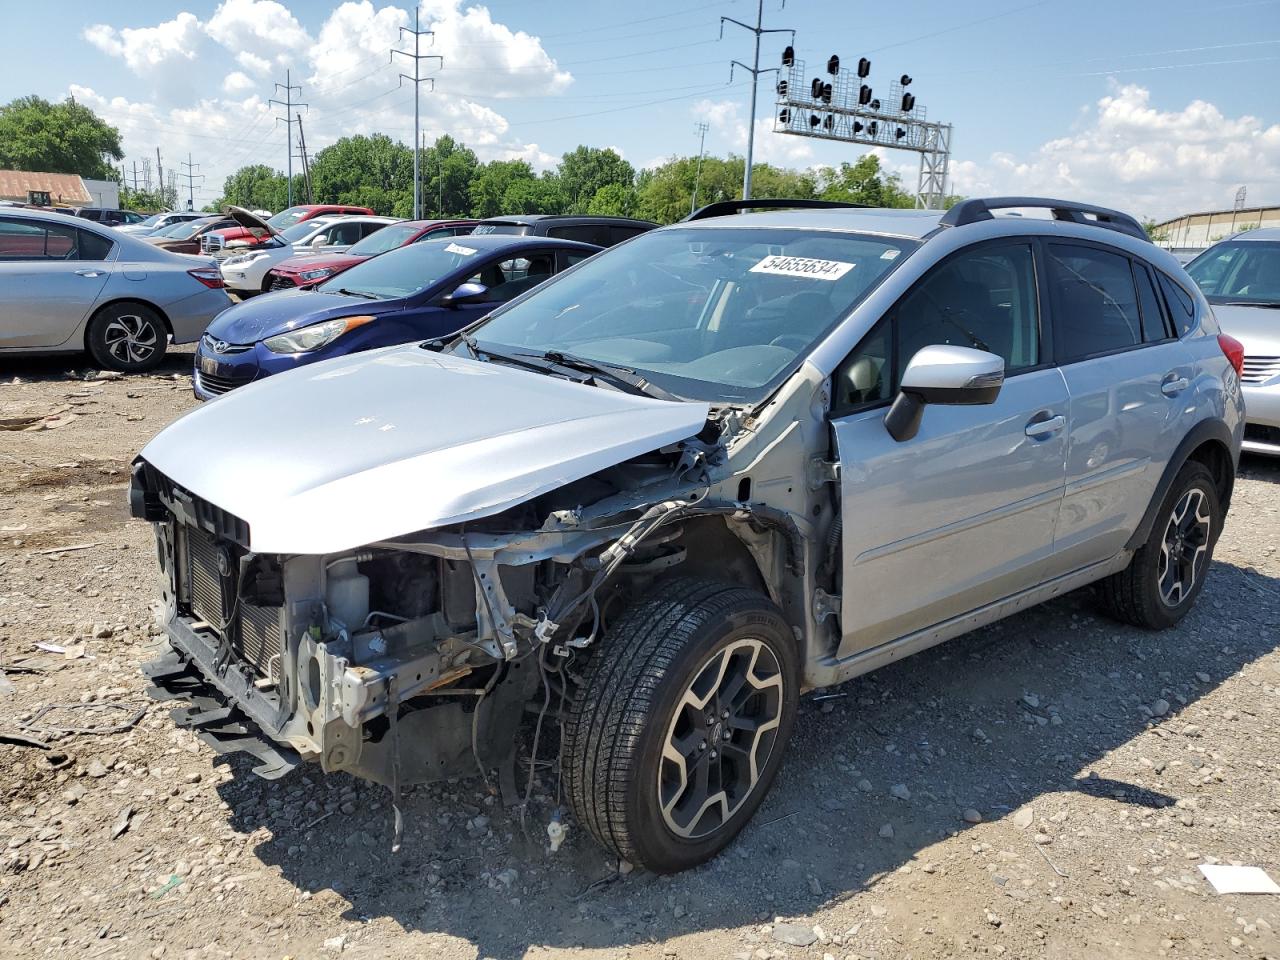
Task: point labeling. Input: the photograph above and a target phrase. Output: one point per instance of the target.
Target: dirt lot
(1102, 763)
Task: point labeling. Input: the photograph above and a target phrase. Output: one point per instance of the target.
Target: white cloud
(237, 82)
(264, 28)
(728, 129)
(253, 63)
(1129, 154)
(143, 49)
(484, 58)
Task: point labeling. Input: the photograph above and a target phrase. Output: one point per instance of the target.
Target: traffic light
(908, 102)
(864, 68)
(788, 56)
(833, 65)
(864, 95)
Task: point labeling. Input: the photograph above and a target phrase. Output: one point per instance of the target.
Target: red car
(283, 219)
(307, 271)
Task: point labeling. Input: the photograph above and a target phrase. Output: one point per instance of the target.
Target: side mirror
(318, 240)
(947, 375)
(465, 293)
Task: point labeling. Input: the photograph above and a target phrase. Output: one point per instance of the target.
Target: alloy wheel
(130, 338)
(1184, 547)
(720, 738)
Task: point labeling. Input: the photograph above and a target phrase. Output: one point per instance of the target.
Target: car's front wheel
(1167, 572)
(680, 724)
(127, 337)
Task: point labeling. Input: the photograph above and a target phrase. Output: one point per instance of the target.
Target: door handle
(1045, 428)
(1172, 385)
(88, 273)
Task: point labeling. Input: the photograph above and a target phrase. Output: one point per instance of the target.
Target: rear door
(1126, 374)
(50, 277)
(963, 514)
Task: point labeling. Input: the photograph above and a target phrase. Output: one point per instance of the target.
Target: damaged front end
(411, 659)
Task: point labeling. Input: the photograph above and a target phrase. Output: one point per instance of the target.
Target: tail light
(1233, 350)
(212, 277)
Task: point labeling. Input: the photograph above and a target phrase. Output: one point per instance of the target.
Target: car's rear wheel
(1167, 572)
(128, 337)
(680, 724)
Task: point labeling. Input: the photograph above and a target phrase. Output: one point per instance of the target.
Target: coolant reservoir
(347, 594)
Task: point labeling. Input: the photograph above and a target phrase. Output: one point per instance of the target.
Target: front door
(963, 514)
(50, 278)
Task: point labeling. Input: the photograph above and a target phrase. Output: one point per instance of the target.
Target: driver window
(37, 240)
(983, 298)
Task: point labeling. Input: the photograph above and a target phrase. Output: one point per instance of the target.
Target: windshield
(403, 272)
(184, 230)
(287, 218)
(388, 238)
(719, 314)
(511, 229)
(152, 220)
(300, 231)
(1241, 270)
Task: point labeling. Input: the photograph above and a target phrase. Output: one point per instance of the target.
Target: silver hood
(376, 445)
(1258, 328)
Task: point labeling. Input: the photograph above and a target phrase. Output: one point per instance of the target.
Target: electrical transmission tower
(700, 128)
(755, 72)
(191, 177)
(306, 163)
(417, 80)
(289, 104)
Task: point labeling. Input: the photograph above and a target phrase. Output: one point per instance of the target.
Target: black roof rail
(977, 209)
(725, 208)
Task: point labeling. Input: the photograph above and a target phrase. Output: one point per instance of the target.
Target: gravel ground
(1045, 787)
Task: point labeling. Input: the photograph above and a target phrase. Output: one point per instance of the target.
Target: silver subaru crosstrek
(662, 495)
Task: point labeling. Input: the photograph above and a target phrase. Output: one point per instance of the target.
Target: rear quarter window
(1182, 306)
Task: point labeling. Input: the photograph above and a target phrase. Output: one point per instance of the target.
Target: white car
(159, 221)
(245, 269)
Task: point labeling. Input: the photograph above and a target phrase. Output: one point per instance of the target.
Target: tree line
(377, 172)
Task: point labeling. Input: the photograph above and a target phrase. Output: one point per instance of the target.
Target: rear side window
(1181, 306)
(92, 246)
(1155, 325)
(36, 240)
(1095, 304)
(618, 234)
(585, 233)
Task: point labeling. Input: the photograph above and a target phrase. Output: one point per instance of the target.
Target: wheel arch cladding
(1208, 442)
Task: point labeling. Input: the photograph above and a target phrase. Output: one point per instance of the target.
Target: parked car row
(659, 491)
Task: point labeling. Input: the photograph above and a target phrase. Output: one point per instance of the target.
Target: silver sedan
(68, 285)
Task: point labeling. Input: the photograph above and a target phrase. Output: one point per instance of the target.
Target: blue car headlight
(315, 336)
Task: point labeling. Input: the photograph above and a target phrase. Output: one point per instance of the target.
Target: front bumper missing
(227, 729)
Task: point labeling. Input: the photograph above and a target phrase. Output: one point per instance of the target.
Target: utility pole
(289, 103)
(417, 79)
(700, 128)
(191, 177)
(306, 164)
(160, 178)
(755, 72)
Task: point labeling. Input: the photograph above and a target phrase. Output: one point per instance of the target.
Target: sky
(1159, 107)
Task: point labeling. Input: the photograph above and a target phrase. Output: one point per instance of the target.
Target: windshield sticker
(890, 254)
(802, 267)
(458, 248)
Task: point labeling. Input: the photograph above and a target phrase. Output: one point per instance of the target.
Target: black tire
(1140, 594)
(639, 674)
(128, 337)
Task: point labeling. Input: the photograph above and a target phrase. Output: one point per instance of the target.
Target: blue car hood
(275, 313)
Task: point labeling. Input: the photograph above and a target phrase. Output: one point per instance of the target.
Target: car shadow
(1254, 466)
(991, 721)
(80, 366)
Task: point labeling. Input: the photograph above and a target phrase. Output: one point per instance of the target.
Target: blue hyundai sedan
(425, 290)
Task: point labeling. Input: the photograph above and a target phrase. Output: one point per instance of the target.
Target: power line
(288, 103)
(417, 80)
(755, 70)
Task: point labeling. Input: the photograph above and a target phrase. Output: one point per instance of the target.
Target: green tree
(494, 185)
(255, 187)
(666, 193)
(612, 200)
(583, 171)
(64, 137)
(373, 171)
(448, 168)
(863, 181)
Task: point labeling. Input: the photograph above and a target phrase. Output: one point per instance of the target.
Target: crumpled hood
(283, 310)
(1258, 328)
(349, 451)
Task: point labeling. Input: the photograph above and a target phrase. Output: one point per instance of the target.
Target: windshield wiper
(1270, 304)
(363, 294)
(611, 372)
